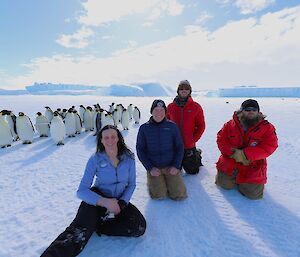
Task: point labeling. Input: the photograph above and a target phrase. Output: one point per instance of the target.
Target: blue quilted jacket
(159, 145)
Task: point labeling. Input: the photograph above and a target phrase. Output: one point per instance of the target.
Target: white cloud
(248, 6)
(251, 6)
(76, 40)
(100, 12)
(238, 52)
(204, 16)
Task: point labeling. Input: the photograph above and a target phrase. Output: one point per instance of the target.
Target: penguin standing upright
(48, 113)
(136, 115)
(6, 137)
(125, 119)
(81, 111)
(25, 128)
(107, 120)
(70, 123)
(130, 110)
(111, 107)
(88, 119)
(57, 129)
(11, 120)
(63, 113)
(42, 125)
(78, 122)
(116, 117)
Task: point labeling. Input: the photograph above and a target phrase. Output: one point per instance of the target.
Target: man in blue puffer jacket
(160, 149)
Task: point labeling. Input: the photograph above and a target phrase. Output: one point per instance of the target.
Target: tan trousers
(166, 185)
(251, 191)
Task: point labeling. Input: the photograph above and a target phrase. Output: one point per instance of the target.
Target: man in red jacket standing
(189, 117)
(245, 142)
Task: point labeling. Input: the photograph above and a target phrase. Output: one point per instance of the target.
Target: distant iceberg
(253, 91)
(139, 89)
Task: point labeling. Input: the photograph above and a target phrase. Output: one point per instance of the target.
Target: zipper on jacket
(181, 119)
(117, 179)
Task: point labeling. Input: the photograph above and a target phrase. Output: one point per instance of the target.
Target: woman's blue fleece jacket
(113, 182)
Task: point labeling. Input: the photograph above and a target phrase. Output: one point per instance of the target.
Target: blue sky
(213, 43)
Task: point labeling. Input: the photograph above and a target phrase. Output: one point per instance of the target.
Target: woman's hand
(111, 204)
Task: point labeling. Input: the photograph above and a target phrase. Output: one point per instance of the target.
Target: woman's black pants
(130, 223)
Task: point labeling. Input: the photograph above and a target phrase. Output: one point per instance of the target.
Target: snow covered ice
(39, 182)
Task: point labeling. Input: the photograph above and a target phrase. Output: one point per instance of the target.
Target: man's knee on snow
(225, 181)
(251, 191)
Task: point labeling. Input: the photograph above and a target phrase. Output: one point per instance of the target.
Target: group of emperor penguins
(64, 122)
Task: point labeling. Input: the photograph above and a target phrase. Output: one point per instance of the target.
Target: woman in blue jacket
(105, 205)
(160, 149)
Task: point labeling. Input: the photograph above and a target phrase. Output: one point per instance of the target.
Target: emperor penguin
(6, 137)
(125, 119)
(81, 111)
(11, 120)
(130, 110)
(108, 120)
(42, 125)
(57, 129)
(136, 115)
(116, 117)
(48, 113)
(78, 122)
(64, 113)
(120, 108)
(111, 107)
(88, 119)
(99, 118)
(24, 128)
(70, 123)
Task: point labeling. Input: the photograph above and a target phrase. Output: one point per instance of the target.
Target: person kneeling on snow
(105, 206)
(245, 142)
(160, 149)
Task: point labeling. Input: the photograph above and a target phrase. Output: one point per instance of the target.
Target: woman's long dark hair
(122, 147)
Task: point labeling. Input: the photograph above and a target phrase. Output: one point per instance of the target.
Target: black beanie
(249, 103)
(158, 103)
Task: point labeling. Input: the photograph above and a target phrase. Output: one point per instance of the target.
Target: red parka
(258, 142)
(189, 119)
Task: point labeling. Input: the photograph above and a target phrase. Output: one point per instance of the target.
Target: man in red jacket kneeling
(245, 142)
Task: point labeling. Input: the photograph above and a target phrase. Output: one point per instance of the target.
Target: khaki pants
(251, 191)
(166, 185)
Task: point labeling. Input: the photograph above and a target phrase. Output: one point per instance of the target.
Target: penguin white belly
(12, 125)
(24, 129)
(78, 123)
(57, 130)
(125, 120)
(136, 116)
(6, 137)
(88, 121)
(70, 124)
(42, 126)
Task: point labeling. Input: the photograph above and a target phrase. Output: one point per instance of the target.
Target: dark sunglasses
(249, 109)
(184, 88)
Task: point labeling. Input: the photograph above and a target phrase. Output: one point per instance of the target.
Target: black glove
(122, 204)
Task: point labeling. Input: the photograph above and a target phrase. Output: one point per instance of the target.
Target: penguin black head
(21, 113)
(55, 113)
(38, 113)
